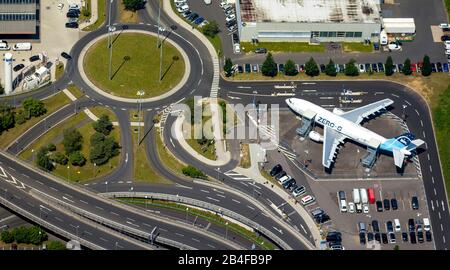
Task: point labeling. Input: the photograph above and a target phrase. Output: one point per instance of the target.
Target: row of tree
(9, 117)
(102, 147)
(26, 235)
(270, 68)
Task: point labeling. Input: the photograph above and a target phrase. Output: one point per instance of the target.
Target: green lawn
(52, 104)
(214, 218)
(101, 16)
(356, 47)
(447, 5)
(74, 173)
(88, 7)
(139, 72)
(142, 168)
(75, 90)
(208, 151)
(59, 71)
(166, 157)
(283, 47)
(99, 111)
(217, 43)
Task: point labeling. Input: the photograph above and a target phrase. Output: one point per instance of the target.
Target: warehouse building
(309, 20)
(19, 18)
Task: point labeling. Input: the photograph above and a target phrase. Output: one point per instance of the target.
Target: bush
(351, 69)
(103, 125)
(407, 67)
(42, 159)
(59, 158)
(6, 117)
(133, 5)
(269, 67)
(86, 12)
(211, 29)
(193, 172)
(102, 149)
(72, 141)
(20, 117)
(55, 245)
(36, 235)
(7, 237)
(311, 68)
(389, 66)
(330, 69)
(34, 107)
(51, 147)
(77, 159)
(289, 68)
(227, 68)
(426, 67)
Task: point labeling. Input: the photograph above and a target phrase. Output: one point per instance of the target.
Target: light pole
(94, 170)
(106, 186)
(6, 190)
(187, 209)
(218, 171)
(146, 202)
(404, 112)
(109, 23)
(40, 212)
(32, 153)
(78, 226)
(110, 29)
(159, 16)
(131, 189)
(140, 94)
(115, 245)
(226, 230)
(68, 174)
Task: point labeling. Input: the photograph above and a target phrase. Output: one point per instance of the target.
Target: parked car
(66, 55)
(411, 225)
(199, 20)
(240, 69)
(322, 68)
(433, 67)
(370, 237)
(362, 238)
(362, 68)
(351, 207)
(376, 46)
(299, 191)
(389, 227)
(379, 205)
(72, 15)
(439, 66)
(445, 67)
(34, 58)
(289, 183)
(367, 67)
(420, 238)
(392, 239)
(445, 38)
(276, 169)
(415, 203)
(247, 68)
(404, 237)
(412, 237)
(387, 205)
(18, 67)
(260, 50)
(255, 68)
(334, 236)
(281, 68)
(374, 67)
(384, 238)
(394, 204)
(186, 13)
(341, 68)
(375, 226)
(400, 68)
(365, 208)
(377, 237)
(428, 236)
(426, 224)
(380, 67)
(308, 199)
(72, 25)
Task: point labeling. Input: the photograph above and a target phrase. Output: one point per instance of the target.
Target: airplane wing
(331, 141)
(357, 115)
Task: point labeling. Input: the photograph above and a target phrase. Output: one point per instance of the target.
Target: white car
(230, 18)
(426, 224)
(223, 4)
(447, 52)
(394, 47)
(365, 209)
(60, 6)
(207, 2)
(308, 199)
(362, 68)
(351, 207)
(183, 8)
(237, 48)
(444, 25)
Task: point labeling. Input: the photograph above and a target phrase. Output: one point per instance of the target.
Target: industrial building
(309, 20)
(19, 17)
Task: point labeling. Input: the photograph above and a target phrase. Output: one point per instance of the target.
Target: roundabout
(135, 65)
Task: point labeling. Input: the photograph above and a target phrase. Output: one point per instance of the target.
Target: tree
(72, 141)
(103, 125)
(407, 67)
(20, 117)
(51, 147)
(77, 159)
(6, 117)
(351, 69)
(269, 67)
(193, 172)
(426, 66)
(211, 29)
(289, 68)
(7, 237)
(389, 66)
(330, 69)
(59, 158)
(42, 159)
(311, 68)
(55, 245)
(21, 235)
(2, 90)
(228, 67)
(36, 235)
(133, 5)
(102, 149)
(34, 107)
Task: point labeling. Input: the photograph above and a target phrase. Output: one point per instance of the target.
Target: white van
(22, 46)
(284, 179)
(397, 225)
(74, 6)
(426, 224)
(383, 38)
(4, 47)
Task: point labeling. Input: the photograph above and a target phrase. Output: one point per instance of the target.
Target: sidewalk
(94, 15)
(253, 172)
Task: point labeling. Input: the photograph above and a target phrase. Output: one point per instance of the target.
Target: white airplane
(339, 125)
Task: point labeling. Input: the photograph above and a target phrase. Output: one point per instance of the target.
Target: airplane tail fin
(401, 147)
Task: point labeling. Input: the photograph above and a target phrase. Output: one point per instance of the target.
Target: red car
(371, 195)
(414, 67)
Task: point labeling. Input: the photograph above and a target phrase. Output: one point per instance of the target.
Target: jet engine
(338, 111)
(315, 136)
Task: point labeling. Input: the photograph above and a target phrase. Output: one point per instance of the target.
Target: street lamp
(68, 174)
(94, 170)
(140, 94)
(109, 22)
(187, 209)
(132, 197)
(145, 201)
(115, 246)
(106, 185)
(78, 226)
(32, 153)
(404, 112)
(218, 171)
(226, 230)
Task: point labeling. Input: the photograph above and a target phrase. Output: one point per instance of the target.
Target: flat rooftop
(310, 11)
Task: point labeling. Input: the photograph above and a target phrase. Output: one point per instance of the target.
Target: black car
(18, 67)
(433, 67)
(280, 174)
(341, 68)
(374, 67)
(281, 67)
(394, 204)
(375, 226)
(72, 15)
(34, 58)
(439, 67)
(276, 169)
(411, 225)
(367, 67)
(240, 69)
(362, 238)
(378, 237)
(415, 203)
(322, 218)
(230, 23)
(445, 38)
(66, 55)
(389, 227)
(420, 237)
(72, 25)
(248, 68)
(289, 183)
(379, 206)
(334, 237)
(380, 67)
(369, 237)
(193, 17)
(292, 187)
(235, 38)
(428, 236)
(387, 205)
(412, 237)
(400, 68)
(405, 237)
(322, 68)
(376, 46)
(384, 238)
(260, 50)
(73, 10)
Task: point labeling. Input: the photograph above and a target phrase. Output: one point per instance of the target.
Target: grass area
(356, 47)
(74, 173)
(52, 104)
(127, 16)
(101, 7)
(166, 157)
(217, 43)
(245, 161)
(211, 217)
(136, 69)
(206, 151)
(59, 70)
(447, 5)
(283, 47)
(99, 111)
(75, 90)
(83, 18)
(142, 168)
(134, 116)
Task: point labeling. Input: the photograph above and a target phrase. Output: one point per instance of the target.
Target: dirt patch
(127, 16)
(245, 156)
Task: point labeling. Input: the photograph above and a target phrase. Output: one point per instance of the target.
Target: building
(399, 28)
(19, 17)
(307, 20)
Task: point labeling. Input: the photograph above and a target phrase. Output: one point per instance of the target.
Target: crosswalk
(237, 176)
(215, 81)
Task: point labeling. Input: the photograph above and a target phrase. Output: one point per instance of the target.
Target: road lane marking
(133, 224)
(12, 168)
(54, 189)
(30, 204)
(443, 208)
(303, 229)
(435, 192)
(250, 207)
(213, 199)
(114, 213)
(86, 232)
(17, 197)
(432, 205)
(67, 199)
(40, 182)
(244, 184)
(98, 207)
(417, 112)
(421, 123)
(25, 175)
(439, 214)
(131, 219)
(235, 201)
(211, 246)
(442, 227)
(145, 224)
(57, 218)
(179, 234)
(196, 240)
(84, 202)
(101, 238)
(432, 179)
(220, 195)
(202, 190)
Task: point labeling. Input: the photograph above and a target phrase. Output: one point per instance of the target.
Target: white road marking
(45, 208)
(126, 158)
(432, 179)
(103, 239)
(133, 224)
(25, 175)
(428, 156)
(40, 182)
(30, 204)
(17, 197)
(442, 227)
(57, 218)
(220, 195)
(432, 205)
(211, 246)
(250, 207)
(179, 234)
(235, 201)
(303, 229)
(171, 141)
(423, 132)
(86, 232)
(244, 184)
(114, 213)
(98, 207)
(131, 219)
(213, 199)
(431, 169)
(417, 112)
(85, 202)
(443, 208)
(407, 102)
(395, 95)
(12, 168)
(196, 240)
(421, 123)
(435, 193)
(439, 214)
(145, 224)
(54, 188)
(67, 199)
(202, 190)
(161, 229)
